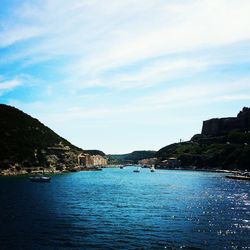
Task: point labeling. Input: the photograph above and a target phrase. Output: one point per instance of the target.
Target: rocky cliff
(26, 142)
(223, 144)
(221, 126)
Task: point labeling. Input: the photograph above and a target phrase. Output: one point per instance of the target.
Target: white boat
(152, 169)
(39, 178)
(240, 176)
(137, 170)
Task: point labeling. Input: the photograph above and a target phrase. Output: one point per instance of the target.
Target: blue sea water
(120, 209)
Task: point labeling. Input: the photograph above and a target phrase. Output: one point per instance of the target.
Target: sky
(125, 75)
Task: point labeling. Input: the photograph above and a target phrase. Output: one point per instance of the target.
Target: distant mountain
(24, 141)
(94, 152)
(133, 157)
(223, 143)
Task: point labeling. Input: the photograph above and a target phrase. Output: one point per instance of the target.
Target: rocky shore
(47, 171)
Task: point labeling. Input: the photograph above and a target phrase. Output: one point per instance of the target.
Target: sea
(120, 209)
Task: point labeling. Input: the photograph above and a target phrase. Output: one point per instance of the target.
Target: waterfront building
(87, 160)
(99, 160)
(171, 162)
(148, 162)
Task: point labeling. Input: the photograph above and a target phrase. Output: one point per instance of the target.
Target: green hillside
(27, 142)
(133, 157)
(230, 151)
(94, 152)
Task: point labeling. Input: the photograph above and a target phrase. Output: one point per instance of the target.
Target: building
(221, 126)
(99, 160)
(86, 160)
(171, 162)
(148, 162)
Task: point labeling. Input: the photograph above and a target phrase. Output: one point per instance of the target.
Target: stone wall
(220, 126)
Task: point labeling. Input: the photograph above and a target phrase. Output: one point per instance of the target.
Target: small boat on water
(238, 177)
(137, 170)
(241, 176)
(98, 168)
(39, 178)
(152, 169)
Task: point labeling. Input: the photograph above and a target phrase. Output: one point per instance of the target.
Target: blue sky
(125, 75)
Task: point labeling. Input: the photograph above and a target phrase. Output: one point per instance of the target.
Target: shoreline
(48, 171)
(52, 171)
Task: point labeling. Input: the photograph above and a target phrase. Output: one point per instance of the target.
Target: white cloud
(233, 97)
(196, 93)
(199, 24)
(154, 56)
(11, 36)
(153, 73)
(8, 85)
(180, 97)
(101, 36)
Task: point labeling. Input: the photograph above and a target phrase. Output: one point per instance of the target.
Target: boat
(240, 176)
(39, 178)
(137, 170)
(98, 168)
(152, 169)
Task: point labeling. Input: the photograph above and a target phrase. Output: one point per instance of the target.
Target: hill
(133, 157)
(222, 126)
(224, 143)
(26, 142)
(94, 152)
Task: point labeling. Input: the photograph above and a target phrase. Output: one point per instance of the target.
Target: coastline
(53, 171)
(46, 171)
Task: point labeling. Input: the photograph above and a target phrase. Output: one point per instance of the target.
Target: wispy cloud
(103, 36)
(8, 85)
(182, 97)
(196, 93)
(151, 57)
(148, 75)
(10, 36)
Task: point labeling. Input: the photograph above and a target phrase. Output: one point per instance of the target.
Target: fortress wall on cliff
(219, 126)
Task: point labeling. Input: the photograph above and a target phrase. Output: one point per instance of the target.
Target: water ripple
(117, 209)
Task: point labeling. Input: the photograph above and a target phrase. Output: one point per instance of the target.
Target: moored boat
(240, 176)
(137, 170)
(39, 178)
(152, 169)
